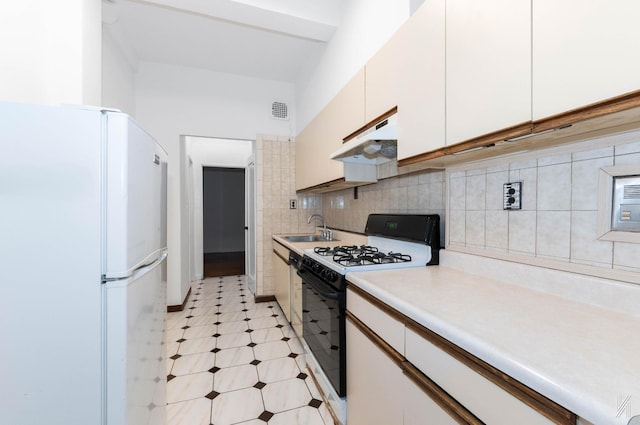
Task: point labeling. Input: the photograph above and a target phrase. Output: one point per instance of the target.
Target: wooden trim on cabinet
(548, 408)
(371, 124)
(179, 307)
(477, 142)
(387, 349)
(595, 110)
(449, 404)
(601, 109)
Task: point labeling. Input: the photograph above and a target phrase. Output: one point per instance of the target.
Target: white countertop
(584, 357)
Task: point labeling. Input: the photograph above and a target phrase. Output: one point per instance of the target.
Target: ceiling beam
(250, 16)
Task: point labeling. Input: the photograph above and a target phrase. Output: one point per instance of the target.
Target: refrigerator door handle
(138, 271)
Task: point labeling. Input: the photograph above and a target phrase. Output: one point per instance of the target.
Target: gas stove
(378, 254)
(394, 241)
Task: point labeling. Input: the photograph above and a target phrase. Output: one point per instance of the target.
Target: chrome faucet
(325, 233)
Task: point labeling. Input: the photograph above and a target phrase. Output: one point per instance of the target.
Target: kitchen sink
(306, 238)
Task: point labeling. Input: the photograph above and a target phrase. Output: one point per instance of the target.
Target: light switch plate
(512, 196)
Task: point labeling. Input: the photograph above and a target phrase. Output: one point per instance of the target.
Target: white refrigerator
(82, 268)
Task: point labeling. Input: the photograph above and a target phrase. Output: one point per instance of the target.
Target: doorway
(223, 221)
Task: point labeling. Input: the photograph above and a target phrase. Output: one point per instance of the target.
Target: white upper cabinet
(421, 81)
(584, 51)
(382, 78)
(488, 74)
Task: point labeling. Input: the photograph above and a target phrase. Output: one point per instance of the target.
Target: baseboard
(179, 307)
(264, 298)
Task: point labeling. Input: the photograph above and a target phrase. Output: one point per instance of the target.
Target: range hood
(375, 145)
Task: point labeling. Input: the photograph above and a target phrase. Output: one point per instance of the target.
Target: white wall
(50, 53)
(172, 101)
(365, 26)
(118, 77)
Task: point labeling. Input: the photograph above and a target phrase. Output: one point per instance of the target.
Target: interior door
(250, 223)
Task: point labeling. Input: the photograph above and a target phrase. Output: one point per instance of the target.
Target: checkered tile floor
(232, 361)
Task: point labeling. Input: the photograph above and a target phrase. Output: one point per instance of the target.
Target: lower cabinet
(425, 379)
(373, 381)
(281, 278)
(296, 301)
(420, 409)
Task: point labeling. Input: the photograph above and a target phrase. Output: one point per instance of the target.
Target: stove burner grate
(369, 258)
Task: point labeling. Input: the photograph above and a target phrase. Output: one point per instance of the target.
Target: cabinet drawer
(483, 398)
(281, 251)
(386, 327)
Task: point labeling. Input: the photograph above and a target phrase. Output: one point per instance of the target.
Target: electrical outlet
(512, 196)
(293, 204)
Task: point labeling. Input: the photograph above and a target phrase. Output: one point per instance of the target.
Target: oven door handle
(317, 285)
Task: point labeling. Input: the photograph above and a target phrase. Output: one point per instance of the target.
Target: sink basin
(306, 238)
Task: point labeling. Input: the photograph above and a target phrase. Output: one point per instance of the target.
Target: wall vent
(279, 111)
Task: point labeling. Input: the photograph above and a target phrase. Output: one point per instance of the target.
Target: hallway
(232, 361)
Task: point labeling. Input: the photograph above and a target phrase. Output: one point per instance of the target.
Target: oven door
(323, 326)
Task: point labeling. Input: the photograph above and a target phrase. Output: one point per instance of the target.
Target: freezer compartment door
(135, 196)
(134, 351)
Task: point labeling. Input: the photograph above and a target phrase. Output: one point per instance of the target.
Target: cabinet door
(483, 398)
(373, 383)
(421, 78)
(584, 51)
(351, 112)
(488, 76)
(420, 409)
(314, 145)
(281, 279)
(382, 78)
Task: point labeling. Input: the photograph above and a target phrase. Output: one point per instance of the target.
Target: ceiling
(270, 39)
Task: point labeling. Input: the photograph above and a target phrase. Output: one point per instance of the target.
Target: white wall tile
(556, 159)
(457, 189)
(456, 227)
(554, 188)
(495, 182)
(628, 148)
(476, 192)
(475, 228)
(584, 182)
(592, 154)
(497, 229)
(522, 232)
(585, 247)
(626, 256)
(529, 179)
(553, 234)
(627, 159)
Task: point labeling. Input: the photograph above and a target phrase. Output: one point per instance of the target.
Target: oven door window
(323, 328)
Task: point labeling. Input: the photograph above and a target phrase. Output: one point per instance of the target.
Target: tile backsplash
(275, 186)
(558, 219)
(415, 194)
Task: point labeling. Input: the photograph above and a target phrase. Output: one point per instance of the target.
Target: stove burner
(345, 250)
(366, 258)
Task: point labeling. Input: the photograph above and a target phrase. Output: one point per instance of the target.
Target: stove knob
(332, 276)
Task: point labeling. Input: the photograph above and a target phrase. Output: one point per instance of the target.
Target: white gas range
(394, 241)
